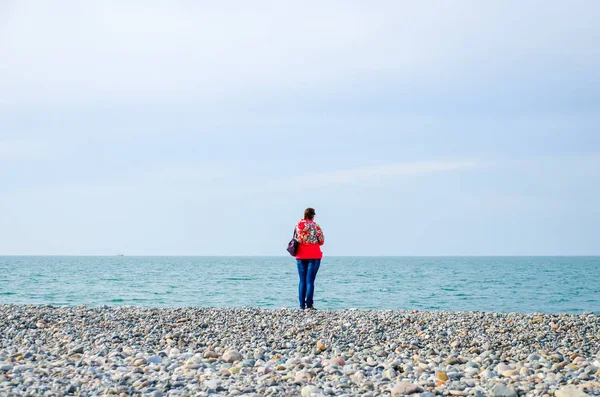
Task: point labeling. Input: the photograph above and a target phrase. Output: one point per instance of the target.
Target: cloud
(134, 50)
(217, 181)
(17, 149)
(372, 174)
(183, 179)
(183, 174)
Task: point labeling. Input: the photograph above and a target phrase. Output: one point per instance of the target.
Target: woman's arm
(320, 235)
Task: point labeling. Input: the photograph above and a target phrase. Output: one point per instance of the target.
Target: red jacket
(310, 239)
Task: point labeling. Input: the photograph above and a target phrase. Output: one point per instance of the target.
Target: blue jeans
(307, 271)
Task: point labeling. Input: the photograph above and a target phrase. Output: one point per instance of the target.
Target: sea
(491, 284)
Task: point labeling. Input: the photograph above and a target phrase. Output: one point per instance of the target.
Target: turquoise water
(507, 284)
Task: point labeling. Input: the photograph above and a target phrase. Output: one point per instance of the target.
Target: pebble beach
(133, 351)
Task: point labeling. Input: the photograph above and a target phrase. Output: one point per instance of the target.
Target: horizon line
(287, 256)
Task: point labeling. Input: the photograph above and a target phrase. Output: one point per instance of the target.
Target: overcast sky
(206, 128)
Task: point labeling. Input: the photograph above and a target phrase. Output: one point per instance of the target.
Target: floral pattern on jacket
(309, 232)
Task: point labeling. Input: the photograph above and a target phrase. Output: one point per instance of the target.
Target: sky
(206, 128)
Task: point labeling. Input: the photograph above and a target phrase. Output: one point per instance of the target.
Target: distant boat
(120, 255)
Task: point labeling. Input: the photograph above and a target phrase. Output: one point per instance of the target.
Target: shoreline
(116, 305)
(129, 350)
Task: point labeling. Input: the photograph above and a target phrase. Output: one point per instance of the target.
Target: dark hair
(309, 213)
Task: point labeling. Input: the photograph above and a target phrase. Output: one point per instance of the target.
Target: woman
(308, 257)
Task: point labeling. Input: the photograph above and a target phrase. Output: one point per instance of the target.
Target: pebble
(232, 356)
(170, 352)
(389, 374)
(308, 391)
(210, 354)
(570, 391)
(404, 388)
(488, 375)
(338, 361)
(502, 367)
(212, 384)
(500, 390)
